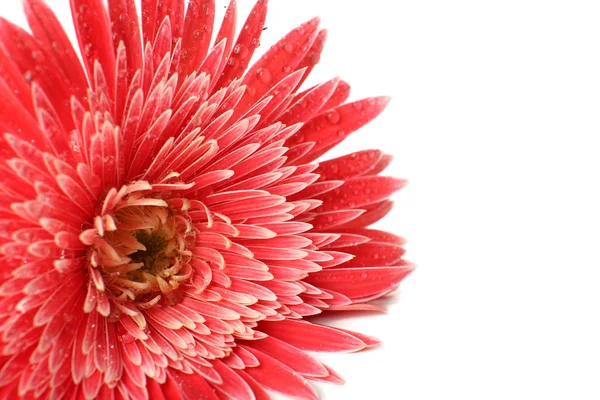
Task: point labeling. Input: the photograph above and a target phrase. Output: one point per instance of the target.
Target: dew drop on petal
(241, 51)
(264, 75)
(333, 116)
(288, 47)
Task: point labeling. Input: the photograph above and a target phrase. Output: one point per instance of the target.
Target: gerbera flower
(166, 231)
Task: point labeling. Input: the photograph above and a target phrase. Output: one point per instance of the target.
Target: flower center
(145, 258)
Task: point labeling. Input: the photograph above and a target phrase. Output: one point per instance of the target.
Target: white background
(494, 120)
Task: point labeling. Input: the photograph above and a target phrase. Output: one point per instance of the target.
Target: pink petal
(278, 61)
(276, 376)
(312, 58)
(373, 281)
(233, 385)
(125, 27)
(373, 213)
(331, 127)
(199, 21)
(339, 96)
(149, 20)
(333, 377)
(289, 355)
(259, 391)
(312, 337)
(174, 9)
(309, 104)
(330, 219)
(245, 45)
(94, 36)
(374, 253)
(349, 166)
(361, 191)
(53, 39)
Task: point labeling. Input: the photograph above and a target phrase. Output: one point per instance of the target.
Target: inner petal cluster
(142, 251)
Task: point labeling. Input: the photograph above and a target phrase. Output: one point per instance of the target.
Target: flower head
(166, 231)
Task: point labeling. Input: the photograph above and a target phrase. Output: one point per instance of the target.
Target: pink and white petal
(197, 31)
(95, 38)
(372, 214)
(331, 127)
(233, 385)
(277, 62)
(280, 378)
(374, 254)
(313, 337)
(246, 43)
(53, 39)
(361, 191)
(374, 281)
(289, 355)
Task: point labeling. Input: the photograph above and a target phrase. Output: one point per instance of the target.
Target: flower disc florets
(145, 256)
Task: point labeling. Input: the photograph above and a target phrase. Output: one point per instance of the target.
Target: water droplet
(264, 75)
(28, 76)
(364, 275)
(288, 47)
(333, 116)
(286, 69)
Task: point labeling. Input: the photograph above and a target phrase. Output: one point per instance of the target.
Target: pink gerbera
(165, 229)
